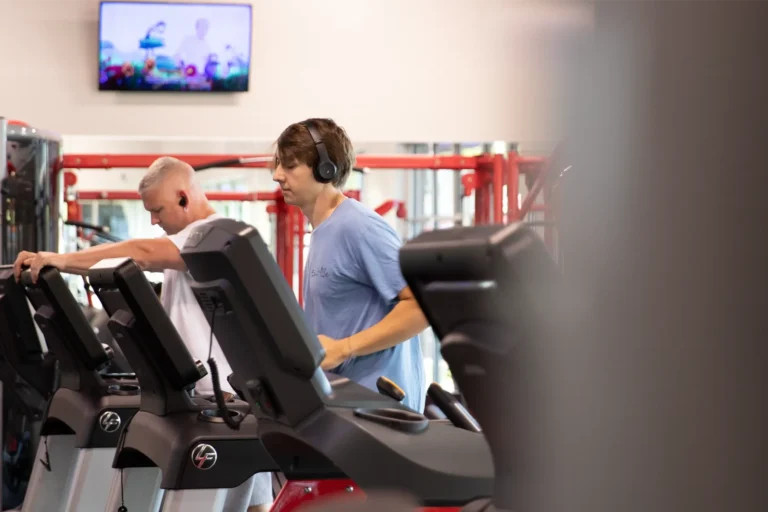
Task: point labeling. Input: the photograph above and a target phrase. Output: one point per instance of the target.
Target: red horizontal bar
(417, 162)
(129, 195)
(531, 160)
(127, 161)
(366, 161)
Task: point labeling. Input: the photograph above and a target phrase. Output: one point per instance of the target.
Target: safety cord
(47, 461)
(217, 393)
(122, 507)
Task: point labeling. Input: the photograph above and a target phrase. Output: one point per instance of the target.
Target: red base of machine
(297, 493)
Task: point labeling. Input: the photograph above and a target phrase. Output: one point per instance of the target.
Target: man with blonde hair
(177, 203)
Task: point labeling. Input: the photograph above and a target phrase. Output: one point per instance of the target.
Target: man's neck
(204, 212)
(323, 206)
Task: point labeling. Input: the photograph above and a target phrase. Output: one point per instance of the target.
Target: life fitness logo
(204, 456)
(109, 421)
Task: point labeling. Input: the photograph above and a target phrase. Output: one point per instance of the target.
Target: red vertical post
(479, 202)
(487, 206)
(498, 189)
(482, 200)
(281, 214)
(513, 186)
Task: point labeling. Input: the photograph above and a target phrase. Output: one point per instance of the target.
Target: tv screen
(174, 47)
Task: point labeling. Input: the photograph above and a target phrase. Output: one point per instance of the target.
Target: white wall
(388, 70)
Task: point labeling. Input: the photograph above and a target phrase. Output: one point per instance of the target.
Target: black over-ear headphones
(324, 169)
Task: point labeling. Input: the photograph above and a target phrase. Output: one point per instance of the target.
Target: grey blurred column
(3, 146)
(654, 396)
(3, 171)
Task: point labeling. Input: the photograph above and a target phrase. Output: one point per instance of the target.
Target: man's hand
(336, 351)
(36, 262)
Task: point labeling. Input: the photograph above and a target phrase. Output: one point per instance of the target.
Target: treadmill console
(67, 332)
(146, 335)
(487, 291)
(477, 275)
(20, 346)
(256, 318)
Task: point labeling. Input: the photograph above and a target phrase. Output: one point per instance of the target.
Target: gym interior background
(463, 77)
(657, 398)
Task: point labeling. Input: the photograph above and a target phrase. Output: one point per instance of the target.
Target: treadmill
(315, 425)
(487, 291)
(185, 442)
(27, 372)
(86, 414)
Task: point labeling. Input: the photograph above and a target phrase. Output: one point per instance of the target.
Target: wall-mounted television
(163, 46)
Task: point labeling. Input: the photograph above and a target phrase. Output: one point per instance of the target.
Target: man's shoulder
(181, 237)
(365, 220)
(199, 222)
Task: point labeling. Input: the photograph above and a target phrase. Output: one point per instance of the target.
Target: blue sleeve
(378, 259)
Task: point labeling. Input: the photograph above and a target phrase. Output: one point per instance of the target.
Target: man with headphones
(177, 203)
(355, 297)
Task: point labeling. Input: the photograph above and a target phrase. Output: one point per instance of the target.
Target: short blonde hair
(162, 168)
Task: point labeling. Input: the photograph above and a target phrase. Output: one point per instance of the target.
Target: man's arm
(152, 254)
(405, 321)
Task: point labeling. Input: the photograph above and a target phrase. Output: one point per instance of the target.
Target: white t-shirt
(188, 318)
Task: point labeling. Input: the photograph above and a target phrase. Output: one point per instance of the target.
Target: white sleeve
(179, 238)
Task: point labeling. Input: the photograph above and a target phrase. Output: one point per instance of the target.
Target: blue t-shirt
(352, 280)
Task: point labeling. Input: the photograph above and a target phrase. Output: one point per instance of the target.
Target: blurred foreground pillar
(654, 397)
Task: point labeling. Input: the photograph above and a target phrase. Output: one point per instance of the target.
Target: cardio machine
(86, 414)
(27, 372)
(184, 441)
(328, 435)
(487, 291)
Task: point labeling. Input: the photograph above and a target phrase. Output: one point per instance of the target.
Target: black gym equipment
(452, 409)
(198, 456)
(21, 351)
(314, 423)
(28, 375)
(86, 414)
(99, 231)
(485, 290)
(29, 213)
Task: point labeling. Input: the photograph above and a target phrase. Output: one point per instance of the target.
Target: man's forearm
(401, 324)
(79, 262)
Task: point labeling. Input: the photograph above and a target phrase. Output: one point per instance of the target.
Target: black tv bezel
(165, 91)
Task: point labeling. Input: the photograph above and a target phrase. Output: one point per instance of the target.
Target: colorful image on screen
(174, 47)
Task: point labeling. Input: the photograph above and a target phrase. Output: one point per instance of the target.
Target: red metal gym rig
(491, 173)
